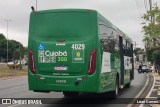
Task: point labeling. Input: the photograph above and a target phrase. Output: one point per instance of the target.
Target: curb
(155, 89)
(143, 92)
(157, 78)
(152, 87)
(138, 95)
(150, 92)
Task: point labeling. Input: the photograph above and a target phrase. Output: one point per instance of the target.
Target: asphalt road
(18, 88)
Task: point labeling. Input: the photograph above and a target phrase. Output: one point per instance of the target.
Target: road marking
(19, 86)
(149, 93)
(137, 96)
(151, 87)
(13, 78)
(14, 105)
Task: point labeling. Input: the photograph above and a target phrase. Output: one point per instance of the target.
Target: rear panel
(61, 43)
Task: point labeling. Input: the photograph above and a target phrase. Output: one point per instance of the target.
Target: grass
(6, 72)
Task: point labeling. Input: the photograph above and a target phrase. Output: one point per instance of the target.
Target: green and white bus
(77, 50)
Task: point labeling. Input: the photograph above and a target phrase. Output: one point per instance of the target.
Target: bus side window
(109, 37)
(117, 43)
(103, 36)
(130, 50)
(124, 46)
(127, 51)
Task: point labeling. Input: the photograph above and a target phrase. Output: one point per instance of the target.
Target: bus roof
(66, 10)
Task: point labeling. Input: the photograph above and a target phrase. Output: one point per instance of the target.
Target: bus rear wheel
(116, 91)
(70, 94)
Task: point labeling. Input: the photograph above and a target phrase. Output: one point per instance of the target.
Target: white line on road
(14, 105)
(19, 87)
(14, 78)
(149, 93)
(138, 95)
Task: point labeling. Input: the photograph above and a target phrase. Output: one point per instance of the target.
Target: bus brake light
(32, 63)
(92, 62)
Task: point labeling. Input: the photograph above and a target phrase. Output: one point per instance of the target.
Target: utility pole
(20, 53)
(135, 44)
(150, 4)
(36, 5)
(134, 55)
(7, 36)
(154, 39)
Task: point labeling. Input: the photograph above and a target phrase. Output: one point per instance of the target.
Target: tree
(151, 29)
(3, 48)
(2, 36)
(156, 56)
(15, 49)
(19, 52)
(136, 50)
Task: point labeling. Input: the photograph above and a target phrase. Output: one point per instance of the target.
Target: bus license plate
(60, 68)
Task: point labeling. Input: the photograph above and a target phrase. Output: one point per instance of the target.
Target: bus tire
(70, 94)
(116, 91)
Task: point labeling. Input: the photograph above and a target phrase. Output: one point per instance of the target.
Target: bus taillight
(32, 63)
(92, 62)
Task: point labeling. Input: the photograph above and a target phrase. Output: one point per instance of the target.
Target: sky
(124, 14)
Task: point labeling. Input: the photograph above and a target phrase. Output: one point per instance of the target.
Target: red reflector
(60, 40)
(32, 63)
(38, 78)
(92, 62)
(83, 78)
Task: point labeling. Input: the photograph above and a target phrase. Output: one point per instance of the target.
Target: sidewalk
(155, 91)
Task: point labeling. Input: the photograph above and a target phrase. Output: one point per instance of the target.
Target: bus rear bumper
(42, 83)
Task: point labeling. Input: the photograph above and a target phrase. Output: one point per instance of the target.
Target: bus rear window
(55, 25)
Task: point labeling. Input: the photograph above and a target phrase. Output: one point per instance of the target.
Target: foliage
(15, 49)
(149, 54)
(2, 36)
(156, 56)
(151, 29)
(136, 50)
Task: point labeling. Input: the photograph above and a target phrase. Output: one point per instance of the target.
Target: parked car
(145, 68)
